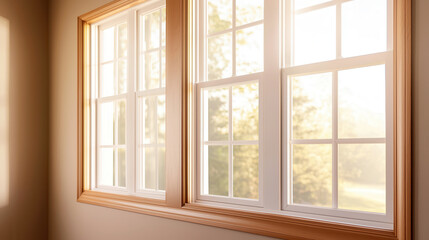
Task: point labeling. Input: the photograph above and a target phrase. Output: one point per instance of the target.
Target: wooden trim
(177, 205)
(108, 10)
(118, 197)
(402, 66)
(262, 224)
(80, 96)
(175, 72)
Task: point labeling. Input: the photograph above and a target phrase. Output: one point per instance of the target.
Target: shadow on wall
(4, 112)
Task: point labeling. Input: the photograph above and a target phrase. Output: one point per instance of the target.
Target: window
(285, 118)
(336, 103)
(338, 110)
(232, 53)
(128, 102)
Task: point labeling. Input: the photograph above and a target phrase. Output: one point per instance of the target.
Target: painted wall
(420, 110)
(69, 220)
(26, 214)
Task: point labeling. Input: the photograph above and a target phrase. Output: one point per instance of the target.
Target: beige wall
(26, 216)
(421, 119)
(70, 220)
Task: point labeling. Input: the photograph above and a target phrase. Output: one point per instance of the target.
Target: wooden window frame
(179, 204)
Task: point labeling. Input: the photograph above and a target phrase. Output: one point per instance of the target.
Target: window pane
(362, 177)
(216, 164)
(122, 167)
(216, 114)
(364, 27)
(122, 121)
(249, 11)
(107, 120)
(161, 168)
(250, 50)
(107, 80)
(161, 119)
(107, 50)
(299, 4)
(123, 40)
(150, 167)
(163, 67)
(312, 174)
(163, 26)
(122, 76)
(151, 31)
(219, 62)
(149, 72)
(315, 39)
(107, 167)
(219, 15)
(312, 106)
(148, 109)
(361, 103)
(246, 171)
(245, 111)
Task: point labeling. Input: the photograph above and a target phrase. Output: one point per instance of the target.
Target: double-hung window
(287, 118)
(231, 60)
(128, 102)
(338, 109)
(325, 69)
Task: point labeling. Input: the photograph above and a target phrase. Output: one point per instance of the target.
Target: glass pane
(121, 111)
(151, 31)
(163, 26)
(107, 121)
(315, 39)
(122, 167)
(219, 62)
(161, 119)
(312, 106)
(107, 50)
(219, 14)
(163, 67)
(245, 112)
(362, 103)
(150, 119)
(161, 168)
(216, 114)
(216, 164)
(299, 4)
(107, 80)
(249, 11)
(250, 50)
(364, 27)
(123, 40)
(107, 167)
(312, 175)
(246, 171)
(362, 177)
(150, 167)
(122, 76)
(149, 76)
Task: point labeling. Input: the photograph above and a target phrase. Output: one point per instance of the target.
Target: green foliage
(218, 170)
(246, 171)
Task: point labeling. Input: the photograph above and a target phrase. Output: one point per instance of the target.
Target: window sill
(271, 225)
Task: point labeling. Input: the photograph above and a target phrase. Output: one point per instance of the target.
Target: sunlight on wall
(4, 112)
